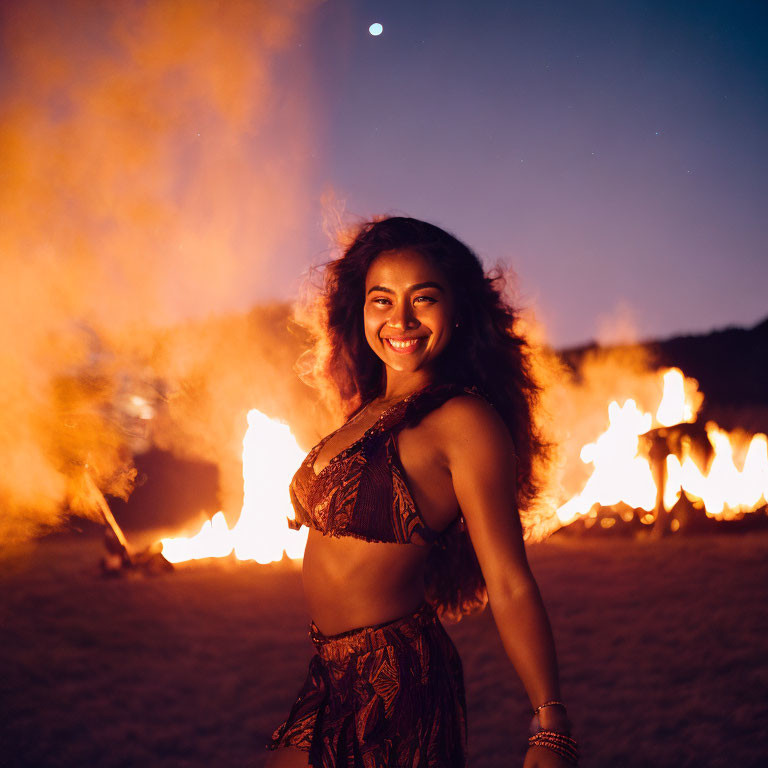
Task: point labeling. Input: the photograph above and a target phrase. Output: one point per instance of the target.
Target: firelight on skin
(408, 313)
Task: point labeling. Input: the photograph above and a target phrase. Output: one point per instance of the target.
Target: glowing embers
(270, 457)
(636, 451)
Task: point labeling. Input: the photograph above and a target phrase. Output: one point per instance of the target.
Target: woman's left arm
(481, 458)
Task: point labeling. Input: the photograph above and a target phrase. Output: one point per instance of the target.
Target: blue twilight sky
(614, 154)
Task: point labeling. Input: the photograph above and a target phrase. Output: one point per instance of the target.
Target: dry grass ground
(663, 647)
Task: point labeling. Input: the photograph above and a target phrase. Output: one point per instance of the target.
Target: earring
(456, 326)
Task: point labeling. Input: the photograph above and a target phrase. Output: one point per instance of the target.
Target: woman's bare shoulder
(468, 422)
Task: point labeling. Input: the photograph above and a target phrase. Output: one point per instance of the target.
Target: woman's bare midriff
(351, 583)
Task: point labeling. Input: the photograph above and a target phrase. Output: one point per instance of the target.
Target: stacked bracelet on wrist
(561, 744)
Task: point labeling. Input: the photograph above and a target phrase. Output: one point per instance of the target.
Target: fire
(620, 474)
(270, 456)
(675, 407)
(623, 473)
(725, 491)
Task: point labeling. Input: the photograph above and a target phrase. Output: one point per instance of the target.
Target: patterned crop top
(362, 491)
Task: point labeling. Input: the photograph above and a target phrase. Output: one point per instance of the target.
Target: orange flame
(622, 473)
(270, 456)
(622, 470)
(677, 404)
(724, 490)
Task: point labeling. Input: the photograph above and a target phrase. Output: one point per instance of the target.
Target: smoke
(153, 174)
(618, 326)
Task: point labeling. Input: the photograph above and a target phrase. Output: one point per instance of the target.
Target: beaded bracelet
(551, 703)
(559, 743)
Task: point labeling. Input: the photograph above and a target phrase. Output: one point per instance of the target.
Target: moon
(376, 29)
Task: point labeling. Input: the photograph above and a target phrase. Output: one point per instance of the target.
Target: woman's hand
(540, 757)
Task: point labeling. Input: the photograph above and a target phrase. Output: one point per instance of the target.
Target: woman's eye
(383, 301)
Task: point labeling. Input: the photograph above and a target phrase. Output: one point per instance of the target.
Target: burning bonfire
(656, 468)
(648, 469)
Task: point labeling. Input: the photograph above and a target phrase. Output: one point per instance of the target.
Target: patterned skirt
(388, 696)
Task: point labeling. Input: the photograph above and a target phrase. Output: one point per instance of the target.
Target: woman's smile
(405, 346)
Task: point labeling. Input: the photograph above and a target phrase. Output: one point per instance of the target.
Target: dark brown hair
(487, 350)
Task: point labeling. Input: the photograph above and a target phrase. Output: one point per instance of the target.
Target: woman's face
(409, 310)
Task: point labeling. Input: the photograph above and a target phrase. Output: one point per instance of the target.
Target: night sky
(614, 154)
(179, 158)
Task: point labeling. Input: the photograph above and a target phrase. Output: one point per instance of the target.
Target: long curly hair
(486, 350)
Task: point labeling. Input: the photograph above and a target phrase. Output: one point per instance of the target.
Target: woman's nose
(402, 316)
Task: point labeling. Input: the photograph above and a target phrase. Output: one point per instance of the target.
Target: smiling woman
(414, 509)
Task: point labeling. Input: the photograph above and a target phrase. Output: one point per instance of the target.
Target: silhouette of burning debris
(120, 560)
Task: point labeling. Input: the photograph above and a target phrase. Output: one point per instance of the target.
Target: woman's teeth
(403, 345)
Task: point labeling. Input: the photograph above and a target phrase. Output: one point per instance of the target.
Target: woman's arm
(481, 458)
